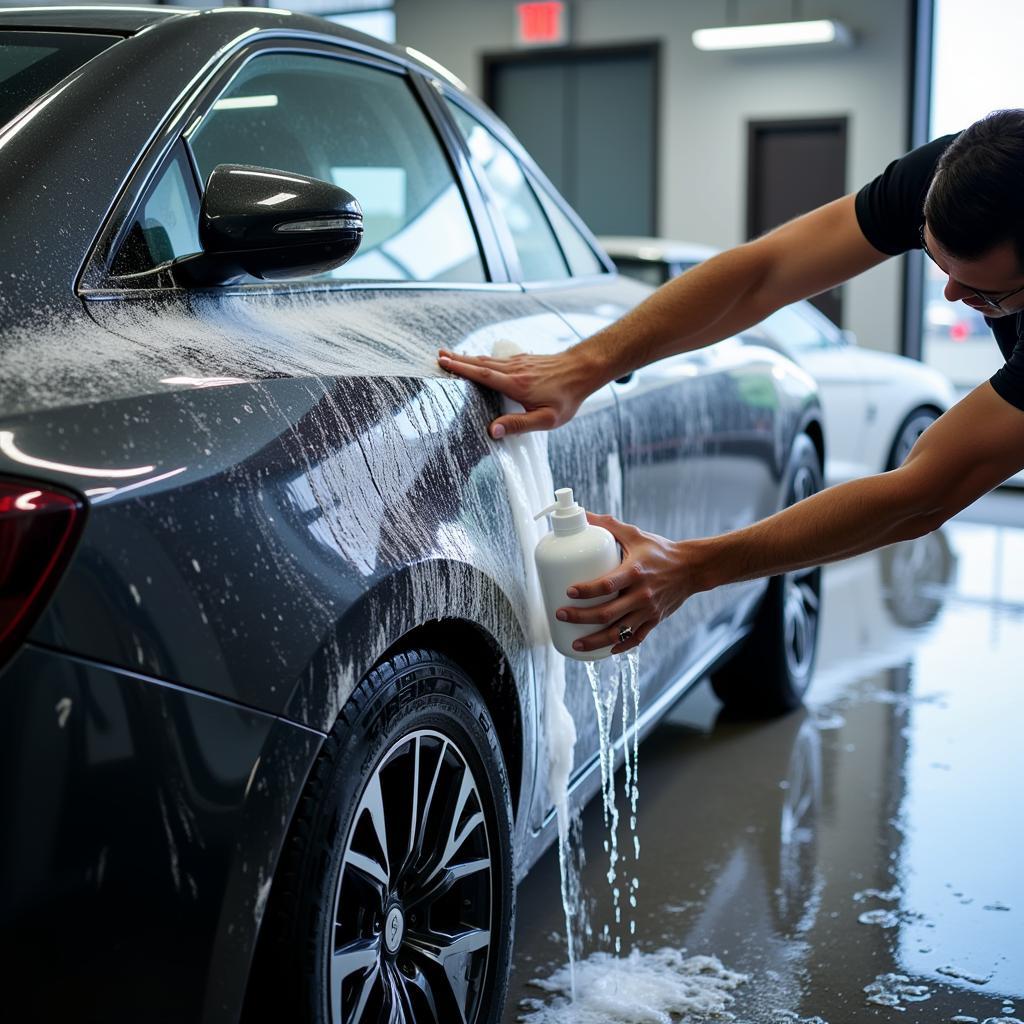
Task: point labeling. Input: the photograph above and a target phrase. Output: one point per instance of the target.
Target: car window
(166, 223)
(576, 249)
(359, 127)
(540, 257)
(33, 62)
(789, 326)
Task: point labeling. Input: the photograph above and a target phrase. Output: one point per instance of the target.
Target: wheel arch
(479, 654)
(454, 608)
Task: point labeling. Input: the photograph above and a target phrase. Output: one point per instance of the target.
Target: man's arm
(974, 447)
(736, 289)
(715, 300)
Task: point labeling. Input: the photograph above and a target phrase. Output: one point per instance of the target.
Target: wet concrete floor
(877, 832)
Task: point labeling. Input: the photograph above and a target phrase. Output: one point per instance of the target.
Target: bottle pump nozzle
(567, 516)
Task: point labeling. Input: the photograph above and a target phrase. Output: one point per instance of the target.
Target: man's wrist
(598, 362)
(700, 564)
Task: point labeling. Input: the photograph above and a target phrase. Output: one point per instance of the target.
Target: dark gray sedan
(271, 724)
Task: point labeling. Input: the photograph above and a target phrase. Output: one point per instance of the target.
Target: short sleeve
(1008, 380)
(890, 209)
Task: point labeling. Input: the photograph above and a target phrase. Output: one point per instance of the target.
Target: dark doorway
(589, 118)
(792, 167)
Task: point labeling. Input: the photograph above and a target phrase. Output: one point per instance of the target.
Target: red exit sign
(542, 23)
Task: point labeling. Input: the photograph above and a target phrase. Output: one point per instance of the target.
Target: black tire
(771, 671)
(381, 902)
(912, 427)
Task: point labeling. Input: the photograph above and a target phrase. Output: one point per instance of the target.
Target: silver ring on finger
(625, 633)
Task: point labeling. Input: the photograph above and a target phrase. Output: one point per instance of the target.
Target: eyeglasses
(996, 301)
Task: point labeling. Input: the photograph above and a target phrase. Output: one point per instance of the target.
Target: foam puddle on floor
(656, 987)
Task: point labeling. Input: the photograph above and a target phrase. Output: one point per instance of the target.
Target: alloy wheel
(413, 915)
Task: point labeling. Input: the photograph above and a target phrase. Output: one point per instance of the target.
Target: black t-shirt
(890, 211)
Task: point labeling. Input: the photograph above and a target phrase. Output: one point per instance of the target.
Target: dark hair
(976, 199)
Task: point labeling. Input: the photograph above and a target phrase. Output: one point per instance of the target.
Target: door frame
(490, 61)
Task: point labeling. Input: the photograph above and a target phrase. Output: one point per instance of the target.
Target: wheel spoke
(369, 867)
(413, 822)
(451, 953)
(428, 803)
(810, 598)
(393, 1003)
(440, 885)
(373, 802)
(414, 980)
(456, 838)
(361, 955)
(342, 967)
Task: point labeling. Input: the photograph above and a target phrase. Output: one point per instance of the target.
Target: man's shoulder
(890, 208)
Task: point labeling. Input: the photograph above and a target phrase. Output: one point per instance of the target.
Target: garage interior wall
(707, 100)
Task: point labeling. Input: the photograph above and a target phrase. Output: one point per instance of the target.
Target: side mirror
(271, 225)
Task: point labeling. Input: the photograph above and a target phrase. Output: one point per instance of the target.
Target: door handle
(626, 379)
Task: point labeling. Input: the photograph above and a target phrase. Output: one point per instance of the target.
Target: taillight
(38, 526)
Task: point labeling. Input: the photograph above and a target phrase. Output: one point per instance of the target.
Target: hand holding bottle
(651, 582)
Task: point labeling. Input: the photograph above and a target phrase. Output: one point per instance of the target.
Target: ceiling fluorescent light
(787, 33)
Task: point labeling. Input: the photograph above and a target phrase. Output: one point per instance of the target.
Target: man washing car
(960, 199)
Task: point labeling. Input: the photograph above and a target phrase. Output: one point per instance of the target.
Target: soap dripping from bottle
(607, 687)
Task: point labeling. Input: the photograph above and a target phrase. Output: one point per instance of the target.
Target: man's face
(994, 275)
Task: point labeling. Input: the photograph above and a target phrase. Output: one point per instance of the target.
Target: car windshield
(33, 62)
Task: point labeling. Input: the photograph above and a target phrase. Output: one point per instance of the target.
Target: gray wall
(707, 99)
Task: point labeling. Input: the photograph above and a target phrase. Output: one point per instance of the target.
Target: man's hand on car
(549, 388)
(652, 582)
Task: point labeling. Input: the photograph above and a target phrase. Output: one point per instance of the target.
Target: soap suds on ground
(660, 987)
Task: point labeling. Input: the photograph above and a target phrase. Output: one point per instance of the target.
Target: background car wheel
(772, 670)
(910, 430)
(394, 899)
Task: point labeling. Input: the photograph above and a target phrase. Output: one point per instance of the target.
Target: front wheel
(394, 900)
(770, 673)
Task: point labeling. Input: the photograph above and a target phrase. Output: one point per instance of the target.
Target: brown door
(795, 166)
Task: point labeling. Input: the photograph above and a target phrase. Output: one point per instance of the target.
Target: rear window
(33, 62)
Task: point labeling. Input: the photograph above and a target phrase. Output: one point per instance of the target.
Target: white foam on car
(643, 988)
(524, 462)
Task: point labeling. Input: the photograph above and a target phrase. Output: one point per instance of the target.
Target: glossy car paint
(866, 395)
(282, 487)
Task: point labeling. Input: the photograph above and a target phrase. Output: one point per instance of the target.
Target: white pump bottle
(573, 551)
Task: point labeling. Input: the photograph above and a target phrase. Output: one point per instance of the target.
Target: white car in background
(876, 404)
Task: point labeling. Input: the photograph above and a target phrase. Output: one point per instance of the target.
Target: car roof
(90, 18)
(128, 20)
(655, 250)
